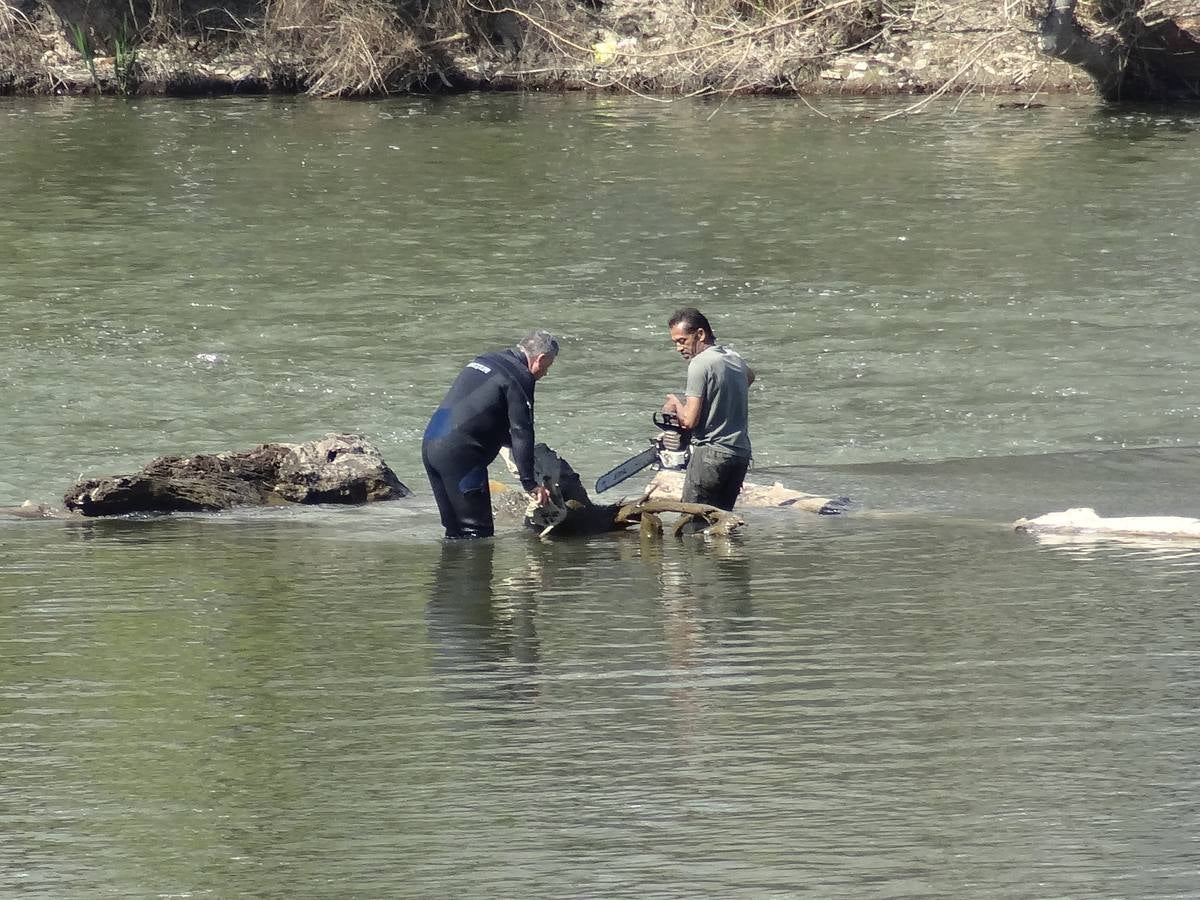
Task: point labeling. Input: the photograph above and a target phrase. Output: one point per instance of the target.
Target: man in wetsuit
(489, 406)
(716, 411)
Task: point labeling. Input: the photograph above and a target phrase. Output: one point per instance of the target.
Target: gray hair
(538, 343)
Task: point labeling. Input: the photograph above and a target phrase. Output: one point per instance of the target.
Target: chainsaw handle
(667, 421)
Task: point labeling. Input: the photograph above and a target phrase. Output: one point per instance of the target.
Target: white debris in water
(1084, 519)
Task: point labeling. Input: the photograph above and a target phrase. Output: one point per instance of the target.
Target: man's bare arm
(687, 412)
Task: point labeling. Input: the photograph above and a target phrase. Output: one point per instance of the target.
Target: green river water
(956, 319)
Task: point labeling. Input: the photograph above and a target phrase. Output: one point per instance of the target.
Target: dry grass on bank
(340, 47)
(677, 46)
(726, 46)
(680, 47)
(20, 49)
(359, 47)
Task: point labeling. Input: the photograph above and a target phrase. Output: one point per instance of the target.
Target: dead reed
(20, 49)
(341, 47)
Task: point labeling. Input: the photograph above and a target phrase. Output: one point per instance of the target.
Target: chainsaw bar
(627, 469)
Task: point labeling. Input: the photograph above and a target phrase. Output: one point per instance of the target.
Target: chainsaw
(668, 450)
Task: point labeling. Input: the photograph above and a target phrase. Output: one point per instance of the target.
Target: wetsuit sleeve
(520, 429)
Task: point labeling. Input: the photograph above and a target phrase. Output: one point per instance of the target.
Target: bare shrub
(753, 45)
(364, 47)
(343, 47)
(839, 20)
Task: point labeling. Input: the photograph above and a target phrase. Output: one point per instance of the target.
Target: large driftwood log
(1128, 57)
(339, 468)
(578, 515)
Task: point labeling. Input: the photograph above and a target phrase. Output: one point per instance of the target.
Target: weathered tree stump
(338, 468)
(1129, 58)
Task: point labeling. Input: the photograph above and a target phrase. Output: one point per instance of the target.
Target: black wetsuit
(489, 406)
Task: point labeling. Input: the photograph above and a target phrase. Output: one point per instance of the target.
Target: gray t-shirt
(719, 377)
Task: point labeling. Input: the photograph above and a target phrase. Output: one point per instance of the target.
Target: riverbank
(349, 48)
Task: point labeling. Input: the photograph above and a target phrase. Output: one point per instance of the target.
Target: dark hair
(691, 319)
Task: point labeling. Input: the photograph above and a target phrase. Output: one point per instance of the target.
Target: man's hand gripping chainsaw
(668, 450)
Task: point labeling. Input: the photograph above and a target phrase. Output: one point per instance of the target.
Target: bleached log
(1085, 520)
(668, 484)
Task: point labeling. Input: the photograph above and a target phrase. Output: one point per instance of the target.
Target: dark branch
(1064, 38)
(1157, 62)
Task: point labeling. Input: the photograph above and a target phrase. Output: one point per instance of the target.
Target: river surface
(956, 319)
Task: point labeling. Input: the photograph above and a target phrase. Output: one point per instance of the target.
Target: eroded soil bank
(666, 47)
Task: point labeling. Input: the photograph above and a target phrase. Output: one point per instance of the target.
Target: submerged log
(1129, 57)
(31, 510)
(339, 468)
(574, 514)
(710, 519)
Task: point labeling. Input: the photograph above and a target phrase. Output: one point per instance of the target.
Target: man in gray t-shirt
(716, 411)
